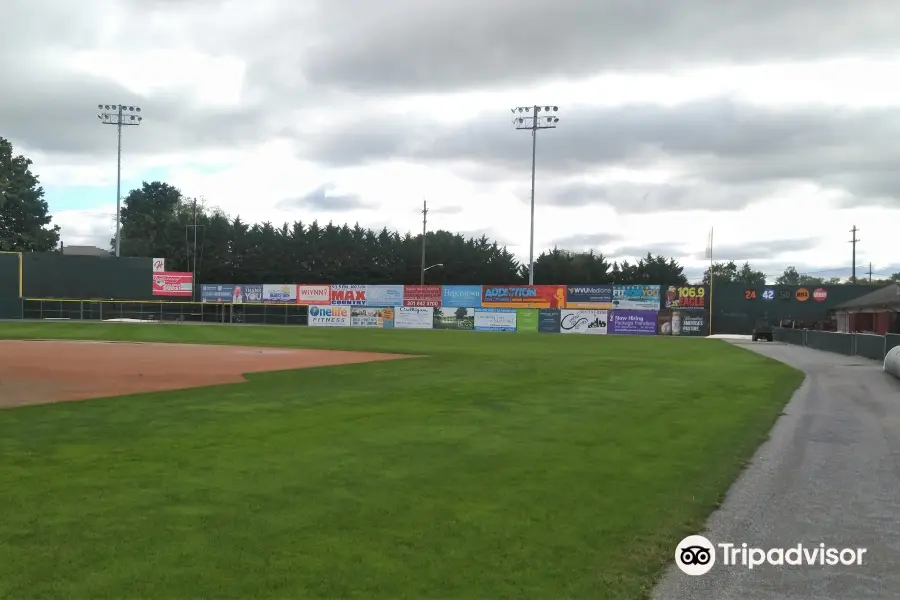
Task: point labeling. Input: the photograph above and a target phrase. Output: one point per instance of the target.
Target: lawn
(502, 466)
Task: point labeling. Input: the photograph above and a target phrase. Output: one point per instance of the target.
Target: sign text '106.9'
(688, 296)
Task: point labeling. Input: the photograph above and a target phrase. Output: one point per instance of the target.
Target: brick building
(876, 312)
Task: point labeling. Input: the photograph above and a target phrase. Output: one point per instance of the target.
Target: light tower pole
(120, 115)
(527, 117)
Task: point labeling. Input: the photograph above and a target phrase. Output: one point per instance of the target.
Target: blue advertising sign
(548, 320)
(461, 296)
(237, 294)
(636, 297)
(384, 295)
(215, 293)
(589, 296)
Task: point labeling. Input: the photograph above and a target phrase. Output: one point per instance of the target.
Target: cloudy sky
(777, 123)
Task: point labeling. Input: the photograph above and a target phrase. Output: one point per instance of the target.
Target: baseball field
(349, 463)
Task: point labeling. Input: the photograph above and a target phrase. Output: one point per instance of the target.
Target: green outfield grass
(502, 466)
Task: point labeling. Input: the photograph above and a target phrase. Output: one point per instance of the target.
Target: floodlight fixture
(526, 117)
(120, 115)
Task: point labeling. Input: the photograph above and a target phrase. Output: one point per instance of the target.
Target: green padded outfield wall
(10, 302)
(54, 275)
(737, 307)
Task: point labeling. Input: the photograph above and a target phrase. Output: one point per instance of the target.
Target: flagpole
(710, 281)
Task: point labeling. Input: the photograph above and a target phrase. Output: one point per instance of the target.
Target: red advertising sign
(820, 294)
(523, 296)
(167, 283)
(349, 295)
(428, 296)
(314, 295)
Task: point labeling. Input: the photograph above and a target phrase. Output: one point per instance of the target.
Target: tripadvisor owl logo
(695, 555)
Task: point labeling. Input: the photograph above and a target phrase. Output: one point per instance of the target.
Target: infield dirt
(41, 372)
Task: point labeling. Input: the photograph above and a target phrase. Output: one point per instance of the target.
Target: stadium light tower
(533, 118)
(120, 115)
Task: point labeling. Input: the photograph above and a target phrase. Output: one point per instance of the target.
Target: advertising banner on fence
(686, 297)
(461, 296)
(692, 323)
(453, 318)
(527, 320)
(279, 293)
(349, 295)
(251, 293)
(329, 316)
(215, 293)
(523, 296)
(495, 319)
(413, 317)
(633, 322)
(170, 283)
(548, 320)
(159, 265)
(636, 297)
(384, 295)
(589, 296)
(422, 295)
(314, 295)
(371, 317)
(583, 321)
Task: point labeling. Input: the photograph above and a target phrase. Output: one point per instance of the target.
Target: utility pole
(854, 231)
(424, 226)
(528, 119)
(194, 269)
(870, 272)
(119, 115)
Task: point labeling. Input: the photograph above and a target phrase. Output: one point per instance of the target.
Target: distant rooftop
(887, 297)
(84, 251)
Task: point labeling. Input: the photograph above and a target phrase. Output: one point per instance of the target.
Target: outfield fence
(867, 345)
(51, 309)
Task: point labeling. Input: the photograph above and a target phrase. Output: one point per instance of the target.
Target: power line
(528, 119)
(120, 115)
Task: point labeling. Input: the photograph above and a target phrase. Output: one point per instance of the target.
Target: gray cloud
(715, 141)
(584, 241)
(414, 45)
(322, 199)
(762, 249)
(446, 210)
(667, 249)
(653, 198)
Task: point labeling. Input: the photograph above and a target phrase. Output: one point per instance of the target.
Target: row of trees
(157, 220)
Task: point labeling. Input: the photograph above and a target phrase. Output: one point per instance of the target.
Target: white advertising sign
(159, 265)
(329, 316)
(495, 319)
(413, 317)
(280, 294)
(314, 294)
(384, 295)
(583, 321)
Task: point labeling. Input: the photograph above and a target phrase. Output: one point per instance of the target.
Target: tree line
(157, 220)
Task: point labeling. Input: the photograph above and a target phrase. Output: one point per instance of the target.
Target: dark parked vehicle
(763, 331)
